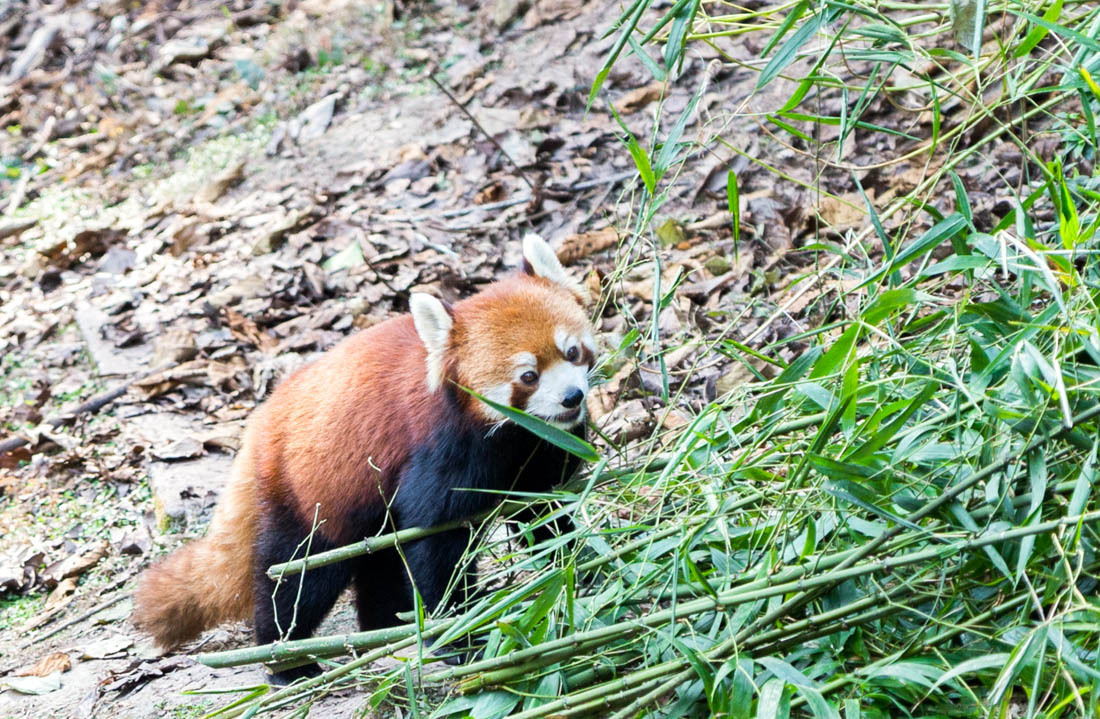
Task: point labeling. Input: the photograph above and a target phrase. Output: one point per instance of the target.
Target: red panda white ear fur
(542, 261)
(433, 324)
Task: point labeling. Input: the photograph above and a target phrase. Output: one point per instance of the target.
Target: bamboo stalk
(599, 693)
(317, 647)
(752, 591)
(367, 546)
(322, 680)
(824, 621)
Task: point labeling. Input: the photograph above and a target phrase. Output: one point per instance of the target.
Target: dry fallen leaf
(186, 448)
(246, 330)
(639, 97)
(33, 685)
(493, 192)
(76, 564)
(577, 247)
(55, 662)
(222, 373)
(175, 344)
(845, 212)
(107, 647)
(221, 182)
(61, 593)
(193, 372)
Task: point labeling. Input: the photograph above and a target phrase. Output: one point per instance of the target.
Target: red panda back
(335, 432)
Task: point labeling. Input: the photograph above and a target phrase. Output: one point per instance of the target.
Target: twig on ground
(90, 407)
(490, 138)
(86, 615)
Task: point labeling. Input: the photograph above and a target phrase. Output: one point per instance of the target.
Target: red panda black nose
(572, 398)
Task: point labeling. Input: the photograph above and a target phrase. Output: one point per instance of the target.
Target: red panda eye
(529, 377)
(571, 354)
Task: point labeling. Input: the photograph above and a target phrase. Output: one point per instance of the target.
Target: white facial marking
(563, 339)
(557, 382)
(501, 394)
(524, 362)
(567, 342)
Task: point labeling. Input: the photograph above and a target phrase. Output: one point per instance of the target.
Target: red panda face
(525, 342)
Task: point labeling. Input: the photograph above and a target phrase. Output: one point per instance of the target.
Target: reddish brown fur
(333, 434)
(522, 312)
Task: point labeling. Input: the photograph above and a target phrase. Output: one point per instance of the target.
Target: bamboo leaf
(1020, 657)
(641, 161)
(771, 703)
(941, 231)
(1081, 40)
(789, 51)
(1036, 34)
(492, 705)
(977, 664)
(890, 301)
(542, 429)
(631, 17)
(733, 202)
(847, 491)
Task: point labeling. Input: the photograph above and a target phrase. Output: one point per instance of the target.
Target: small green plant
(16, 610)
(181, 711)
(184, 107)
(330, 57)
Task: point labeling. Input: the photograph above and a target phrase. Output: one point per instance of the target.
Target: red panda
(377, 435)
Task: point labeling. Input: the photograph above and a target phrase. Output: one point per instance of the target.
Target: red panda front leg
(434, 561)
(446, 480)
(381, 590)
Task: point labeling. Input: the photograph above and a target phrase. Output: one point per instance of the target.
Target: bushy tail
(209, 581)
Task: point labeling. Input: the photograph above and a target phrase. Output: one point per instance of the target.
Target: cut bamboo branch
(367, 546)
(317, 647)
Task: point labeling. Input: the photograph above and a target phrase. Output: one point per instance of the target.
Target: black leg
(297, 606)
(285, 613)
(289, 676)
(381, 590)
(434, 561)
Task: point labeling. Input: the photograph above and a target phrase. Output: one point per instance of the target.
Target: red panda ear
(540, 260)
(433, 323)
